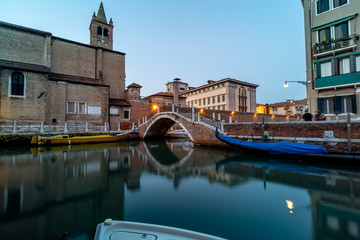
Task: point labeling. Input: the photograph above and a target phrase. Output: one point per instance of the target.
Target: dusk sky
(260, 42)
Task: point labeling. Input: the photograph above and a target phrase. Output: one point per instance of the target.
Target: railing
(334, 45)
(43, 127)
(342, 79)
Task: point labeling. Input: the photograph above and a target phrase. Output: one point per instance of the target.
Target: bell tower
(101, 32)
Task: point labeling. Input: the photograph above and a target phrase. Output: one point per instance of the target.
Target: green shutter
(318, 70)
(337, 105)
(354, 107)
(319, 103)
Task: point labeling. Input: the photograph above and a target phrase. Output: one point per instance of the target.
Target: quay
(334, 135)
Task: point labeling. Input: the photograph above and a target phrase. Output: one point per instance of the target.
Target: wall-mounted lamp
(301, 82)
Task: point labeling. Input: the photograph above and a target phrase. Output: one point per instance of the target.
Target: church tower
(101, 32)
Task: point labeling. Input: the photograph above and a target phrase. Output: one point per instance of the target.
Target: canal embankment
(333, 135)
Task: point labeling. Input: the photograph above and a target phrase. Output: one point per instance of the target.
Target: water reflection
(47, 192)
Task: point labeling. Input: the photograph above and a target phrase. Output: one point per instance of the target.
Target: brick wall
(113, 70)
(19, 46)
(31, 106)
(72, 59)
(311, 132)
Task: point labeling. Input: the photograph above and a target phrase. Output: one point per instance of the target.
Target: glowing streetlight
(201, 111)
(155, 107)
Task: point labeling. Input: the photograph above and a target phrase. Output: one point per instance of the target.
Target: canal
(46, 193)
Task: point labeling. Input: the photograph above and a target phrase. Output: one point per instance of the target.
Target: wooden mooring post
(349, 132)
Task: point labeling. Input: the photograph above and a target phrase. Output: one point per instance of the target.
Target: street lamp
(301, 82)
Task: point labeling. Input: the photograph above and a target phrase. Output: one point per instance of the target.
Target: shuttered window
(325, 69)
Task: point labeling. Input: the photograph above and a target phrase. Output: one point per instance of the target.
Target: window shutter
(319, 103)
(352, 63)
(335, 67)
(337, 105)
(353, 104)
(318, 70)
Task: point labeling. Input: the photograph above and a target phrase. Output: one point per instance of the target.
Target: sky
(260, 42)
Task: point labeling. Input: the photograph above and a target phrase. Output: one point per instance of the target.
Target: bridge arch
(160, 125)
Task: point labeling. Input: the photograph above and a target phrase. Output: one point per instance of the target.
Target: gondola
(289, 150)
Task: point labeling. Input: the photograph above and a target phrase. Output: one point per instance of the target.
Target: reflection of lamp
(301, 82)
(290, 205)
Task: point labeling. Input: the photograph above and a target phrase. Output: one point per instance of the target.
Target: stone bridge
(200, 130)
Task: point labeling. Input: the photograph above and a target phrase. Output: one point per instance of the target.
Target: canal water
(46, 193)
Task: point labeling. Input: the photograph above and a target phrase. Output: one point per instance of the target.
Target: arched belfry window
(99, 30)
(242, 100)
(106, 32)
(17, 84)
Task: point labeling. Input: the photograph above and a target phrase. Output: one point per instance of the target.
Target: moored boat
(304, 152)
(67, 140)
(181, 133)
(111, 229)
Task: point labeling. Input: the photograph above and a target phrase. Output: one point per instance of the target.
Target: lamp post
(301, 82)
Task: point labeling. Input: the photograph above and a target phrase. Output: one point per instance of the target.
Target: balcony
(338, 80)
(335, 46)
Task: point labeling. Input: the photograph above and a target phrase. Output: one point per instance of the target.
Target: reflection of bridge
(200, 130)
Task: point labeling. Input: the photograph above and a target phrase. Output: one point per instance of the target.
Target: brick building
(47, 78)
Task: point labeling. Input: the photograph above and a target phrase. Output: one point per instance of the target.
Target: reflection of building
(225, 94)
(332, 30)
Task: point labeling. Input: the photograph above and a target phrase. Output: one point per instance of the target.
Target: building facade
(332, 30)
(47, 78)
(226, 94)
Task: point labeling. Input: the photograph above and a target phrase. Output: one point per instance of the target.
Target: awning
(334, 23)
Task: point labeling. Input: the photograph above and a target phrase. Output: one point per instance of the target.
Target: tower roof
(101, 14)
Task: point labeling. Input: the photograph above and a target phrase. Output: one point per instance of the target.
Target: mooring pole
(349, 132)
(262, 129)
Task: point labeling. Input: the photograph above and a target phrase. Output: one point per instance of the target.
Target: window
(328, 105)
(204, 101)
(344, 66)
(126, 114)
(346, 104)
(324, 35)
(341, 30)
(71, 107)
(199, 102)
(358, 63)
(209, 98)
(106, 32)
(82, 108)
(213, 99)
(325, 69)
(223, 98)
(242, 100)
(99, 30)
(218, 98)
(322, 6)
(338, 3)
(17, 84)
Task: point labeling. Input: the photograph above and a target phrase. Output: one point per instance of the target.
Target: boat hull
(141, 231)
(66, 140)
